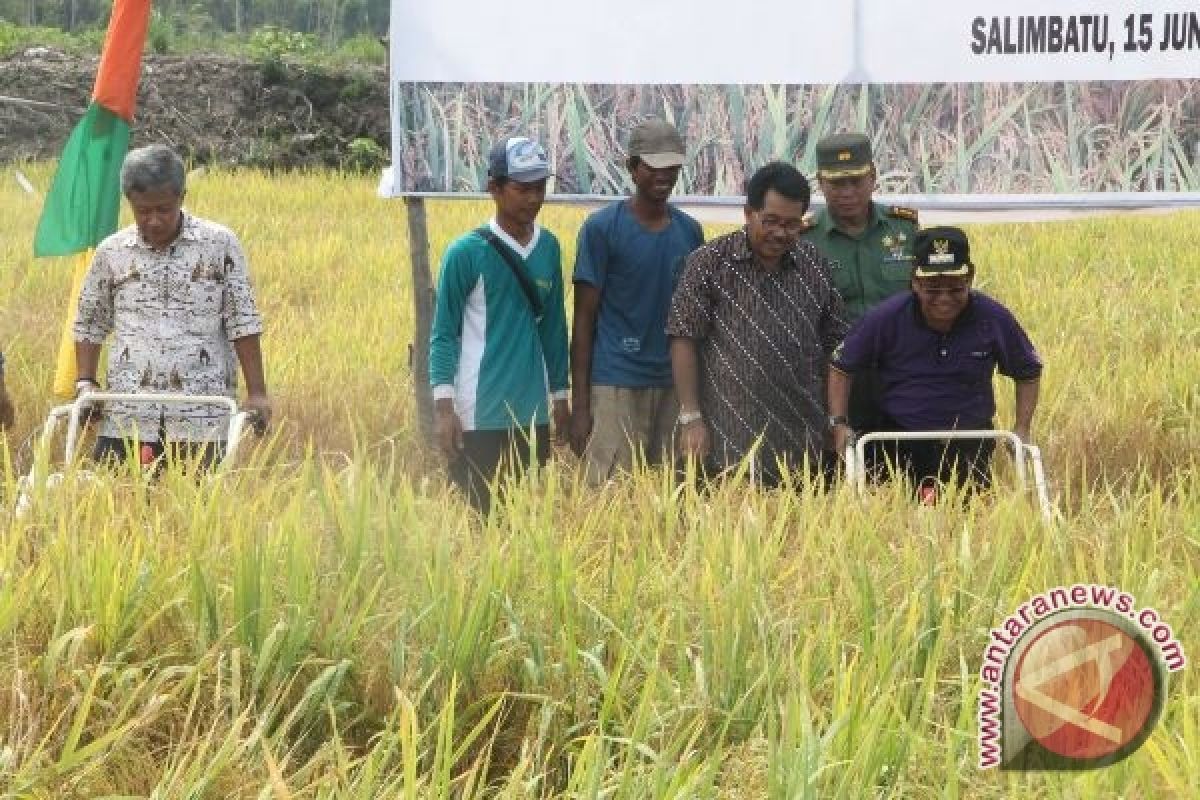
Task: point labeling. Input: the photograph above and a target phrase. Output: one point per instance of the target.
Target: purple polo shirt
(935, 381)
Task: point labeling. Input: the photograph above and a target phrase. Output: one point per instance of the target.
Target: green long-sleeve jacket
(486, 350)
(871, 267)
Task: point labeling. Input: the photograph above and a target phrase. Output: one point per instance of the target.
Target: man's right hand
(92, 410)
(581, 428)
(447, 428)
(693, 439)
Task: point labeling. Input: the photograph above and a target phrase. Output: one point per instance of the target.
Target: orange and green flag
(85, 197)
(84, 200)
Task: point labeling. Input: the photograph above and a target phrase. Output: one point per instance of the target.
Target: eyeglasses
(956, 291)
(790, 227)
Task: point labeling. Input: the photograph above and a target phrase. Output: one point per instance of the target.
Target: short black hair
(783, 178)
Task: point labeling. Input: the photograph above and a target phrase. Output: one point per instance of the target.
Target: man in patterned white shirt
(174, 292)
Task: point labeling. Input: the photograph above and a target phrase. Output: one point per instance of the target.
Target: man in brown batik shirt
(753, 323)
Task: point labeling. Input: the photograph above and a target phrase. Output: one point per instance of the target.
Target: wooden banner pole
(422, 284)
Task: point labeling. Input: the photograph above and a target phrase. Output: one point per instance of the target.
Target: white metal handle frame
(74, 413)
(856, 447)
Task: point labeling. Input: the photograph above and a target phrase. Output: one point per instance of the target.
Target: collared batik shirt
(174, 314)
(764, 339)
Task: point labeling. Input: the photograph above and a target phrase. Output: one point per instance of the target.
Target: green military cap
(844, 155)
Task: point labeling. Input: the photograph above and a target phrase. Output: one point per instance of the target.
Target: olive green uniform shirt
(872, 266)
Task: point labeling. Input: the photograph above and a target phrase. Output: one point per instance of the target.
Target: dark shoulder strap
(518, 271)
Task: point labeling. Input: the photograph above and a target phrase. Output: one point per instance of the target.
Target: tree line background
(933, 138)
(177, 22)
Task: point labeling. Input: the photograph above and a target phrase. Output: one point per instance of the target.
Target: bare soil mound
(213, 108)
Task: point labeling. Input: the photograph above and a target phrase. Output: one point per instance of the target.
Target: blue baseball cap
(519, 159)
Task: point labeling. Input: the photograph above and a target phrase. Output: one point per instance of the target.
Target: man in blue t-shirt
(935, 350)
(629, 256)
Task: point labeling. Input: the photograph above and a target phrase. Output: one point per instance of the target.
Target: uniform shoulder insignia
(903, 212)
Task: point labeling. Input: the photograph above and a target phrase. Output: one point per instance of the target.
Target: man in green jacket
(869, 246)
(498, 348)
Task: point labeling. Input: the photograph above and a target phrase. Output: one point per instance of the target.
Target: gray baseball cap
(658, 144)
(519, 159)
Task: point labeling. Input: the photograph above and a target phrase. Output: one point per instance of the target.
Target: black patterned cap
(941, 251)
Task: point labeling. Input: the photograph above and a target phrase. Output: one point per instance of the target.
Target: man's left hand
(562, 421)
(259, 405)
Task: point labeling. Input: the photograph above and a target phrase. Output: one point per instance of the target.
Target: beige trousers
(628, 423)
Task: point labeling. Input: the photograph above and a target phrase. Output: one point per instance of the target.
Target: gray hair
(153, 167)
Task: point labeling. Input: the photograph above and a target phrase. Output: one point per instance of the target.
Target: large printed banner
(622, 41)
(986, 41)
(959, 96)
(793, 41)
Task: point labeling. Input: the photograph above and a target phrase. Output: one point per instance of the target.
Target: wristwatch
(836, 420)
(688, 417)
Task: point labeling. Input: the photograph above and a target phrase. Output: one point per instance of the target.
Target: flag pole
(83, 204)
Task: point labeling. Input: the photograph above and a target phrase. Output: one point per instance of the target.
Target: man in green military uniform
(868, 245)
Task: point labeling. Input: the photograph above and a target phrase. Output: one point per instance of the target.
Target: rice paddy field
(328, 621)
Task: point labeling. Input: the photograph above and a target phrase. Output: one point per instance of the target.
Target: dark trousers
(491, 457)
(821, 471)
(202, 456)
(867, 417)
(927, 463)
(863, 405)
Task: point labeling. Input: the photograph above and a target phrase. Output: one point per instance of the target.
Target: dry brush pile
(215, 109)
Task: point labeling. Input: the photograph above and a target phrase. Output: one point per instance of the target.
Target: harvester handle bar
(856, 452)
(74, 412)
